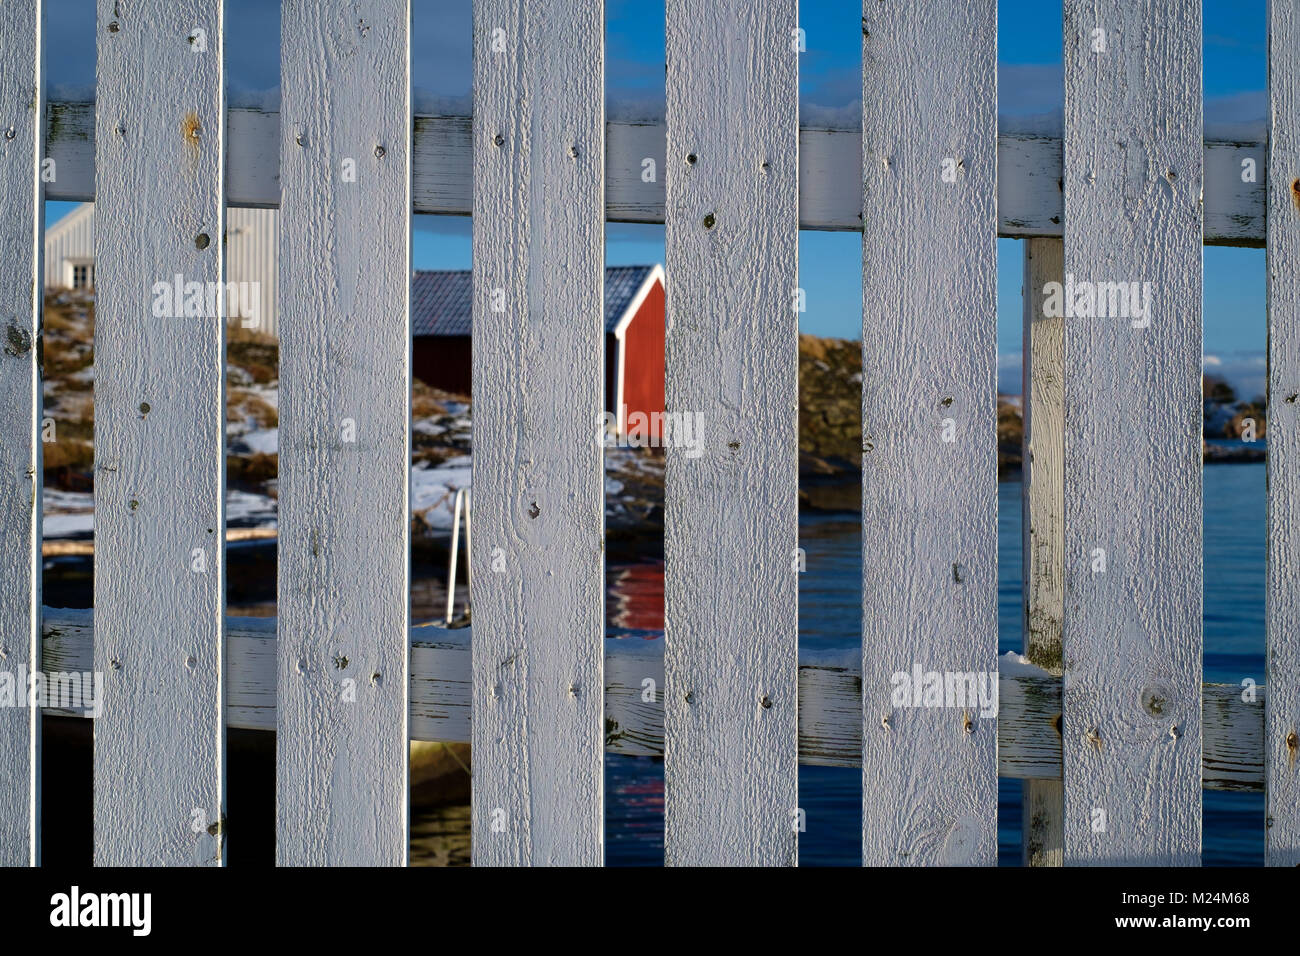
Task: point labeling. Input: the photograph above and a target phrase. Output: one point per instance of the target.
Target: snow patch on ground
(71, 514)
(265, 441)
(433, 491)
(1012, 664)
(249, 509)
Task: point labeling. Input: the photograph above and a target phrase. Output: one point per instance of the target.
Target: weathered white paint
(345, 258)
(159, 438)
(1282, 749)
(830, 708)
(1030, 202)
(22, 102)
(929, 459)
(1043, 521)
(731, 523)
(539, 378)
(1132, 634)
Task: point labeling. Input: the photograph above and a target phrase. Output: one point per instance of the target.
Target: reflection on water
(634, 597)
(440, 836)
(830, 607)
(830, 602)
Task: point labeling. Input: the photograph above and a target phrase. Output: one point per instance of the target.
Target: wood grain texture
(929, 462)
(1043, 518)
(22, 107)
(731, 506)
(345, 378)
(830, 708)
(1282, 749)
(1030, 201)
(159, 437)
(1132, 635)
(538, 378)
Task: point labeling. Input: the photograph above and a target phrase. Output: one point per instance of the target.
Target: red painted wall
(442, 361)
(643, 379)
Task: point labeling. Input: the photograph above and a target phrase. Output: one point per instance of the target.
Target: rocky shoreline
(830, 437)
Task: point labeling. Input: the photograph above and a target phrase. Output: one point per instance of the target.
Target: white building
(250, 254)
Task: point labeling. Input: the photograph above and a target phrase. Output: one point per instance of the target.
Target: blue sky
(1029, 55)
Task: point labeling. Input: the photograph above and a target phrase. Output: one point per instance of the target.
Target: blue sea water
(829, 617)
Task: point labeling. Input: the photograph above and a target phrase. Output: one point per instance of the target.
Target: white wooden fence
(1128, 735)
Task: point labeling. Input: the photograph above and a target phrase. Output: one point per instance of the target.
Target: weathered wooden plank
(830, 708)
(22, 102)
(929, 462)
(1030, 201)
(345, 378)
(731, 524)
(1132, 632)
(1043, 518)
(159, 434)
(1282, 751)
(539, 375)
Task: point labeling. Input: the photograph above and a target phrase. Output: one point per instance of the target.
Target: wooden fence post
(539, 373)
(929, 445)
(1282, 713)
(160, 434)
(1132, 631)
(731, 522)
(22, 134)
(1043, 518)
(345, 387)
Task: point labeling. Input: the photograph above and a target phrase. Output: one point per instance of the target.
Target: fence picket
(1114, 753)
(160, 415)
(22, 116)
(1132, 631)
(538, 659)
(731, 505)
(1282, 713)
(345, 260)
(929, 462)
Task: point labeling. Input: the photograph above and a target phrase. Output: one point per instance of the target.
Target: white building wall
(251, 240)
(72, 237)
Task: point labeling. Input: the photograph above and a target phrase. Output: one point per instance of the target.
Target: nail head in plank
(1282, 747)
(539, 377)
(929, 460)
(731, 508)
(1132, 634)
(345, 379)
(22, 100)
(160, 415)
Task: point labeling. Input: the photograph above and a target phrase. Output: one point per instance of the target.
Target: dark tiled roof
(440, 301)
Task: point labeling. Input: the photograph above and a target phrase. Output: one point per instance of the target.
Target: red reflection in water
(635, 596)
(642, 804)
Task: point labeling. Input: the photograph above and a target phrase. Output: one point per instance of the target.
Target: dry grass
(427, 402)
(68, 453)
(252, 469)
(257, 353)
